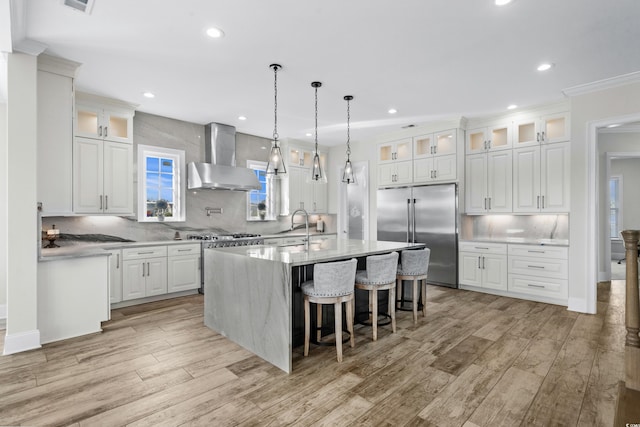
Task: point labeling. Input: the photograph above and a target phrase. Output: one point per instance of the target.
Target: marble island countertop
(323, 251)
(520, 240)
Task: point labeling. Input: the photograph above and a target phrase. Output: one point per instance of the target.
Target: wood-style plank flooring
(475, 360)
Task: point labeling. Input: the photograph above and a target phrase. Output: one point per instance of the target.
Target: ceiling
(429, 59)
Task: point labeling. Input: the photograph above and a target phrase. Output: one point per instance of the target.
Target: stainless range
(212, 240)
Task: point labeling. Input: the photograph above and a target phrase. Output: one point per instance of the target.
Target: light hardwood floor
(475, 360)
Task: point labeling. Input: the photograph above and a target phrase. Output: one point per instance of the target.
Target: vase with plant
(161, 209)
(262, 209)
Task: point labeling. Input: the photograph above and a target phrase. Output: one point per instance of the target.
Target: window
(260, 202)
(615, 205)
(161, 191)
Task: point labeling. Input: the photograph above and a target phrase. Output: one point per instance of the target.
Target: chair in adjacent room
(333, 283)
(414, 266)
(379, 275)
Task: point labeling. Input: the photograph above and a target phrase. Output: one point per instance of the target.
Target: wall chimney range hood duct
(219, 172)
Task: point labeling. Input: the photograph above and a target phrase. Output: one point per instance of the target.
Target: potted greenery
(262, 209)
(161, 209)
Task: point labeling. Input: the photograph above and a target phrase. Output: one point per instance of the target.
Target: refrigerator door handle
(413, 226)
(408, 218)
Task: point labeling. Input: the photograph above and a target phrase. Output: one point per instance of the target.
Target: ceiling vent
(83, 6)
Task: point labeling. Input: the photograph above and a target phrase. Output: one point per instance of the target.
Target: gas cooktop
(215, 237)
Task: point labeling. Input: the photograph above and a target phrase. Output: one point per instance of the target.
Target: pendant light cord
(275, 103)
(348, 129)
(316, 87)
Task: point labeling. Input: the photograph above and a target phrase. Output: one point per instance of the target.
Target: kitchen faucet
(306, 224)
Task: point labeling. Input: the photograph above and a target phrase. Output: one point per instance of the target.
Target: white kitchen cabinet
(102, 177)
(488, 182)
(97, 121)
(304, 193)
(539, 271)
(541, 178)
(483, 265)
(395, 173)
(55, 134)
(489, 138)
(183, 268)
(395, 151)
(115, 276)
(435, 157)
(144, 272)
(547, 129)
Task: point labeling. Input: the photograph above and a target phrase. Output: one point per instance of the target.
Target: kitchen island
(252, 293)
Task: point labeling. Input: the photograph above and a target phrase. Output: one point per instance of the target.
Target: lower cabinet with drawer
(144, 272)
(541, 272)
(483, 265)
(538, 273)
(183, 268)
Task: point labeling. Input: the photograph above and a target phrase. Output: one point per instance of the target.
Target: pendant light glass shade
(317, 174)
(348, 175)
(275, 164)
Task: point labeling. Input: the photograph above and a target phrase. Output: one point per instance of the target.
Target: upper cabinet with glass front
(542, 130)
(101, 118)
(435, 144)
(395, 151)
(489, 138)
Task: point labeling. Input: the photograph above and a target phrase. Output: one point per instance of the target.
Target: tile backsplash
(542, 226)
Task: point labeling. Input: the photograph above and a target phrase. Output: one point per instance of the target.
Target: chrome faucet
(306, 224)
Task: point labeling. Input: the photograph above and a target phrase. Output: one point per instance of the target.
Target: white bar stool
(414, 266)
(379, 275)
(333, 283)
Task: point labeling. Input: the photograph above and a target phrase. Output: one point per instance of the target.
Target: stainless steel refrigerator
(425, 214)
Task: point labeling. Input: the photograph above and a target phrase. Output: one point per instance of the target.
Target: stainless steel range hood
(220, 171)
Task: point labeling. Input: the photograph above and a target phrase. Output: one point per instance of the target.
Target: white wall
(588, 110)
(22, 225)
(3, 209)
(629, 169)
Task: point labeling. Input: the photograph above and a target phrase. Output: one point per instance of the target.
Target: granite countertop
(326, 250)
(521, 240)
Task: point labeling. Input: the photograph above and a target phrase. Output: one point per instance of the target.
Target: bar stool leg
(399, 292)
(373, 294)
(307, 327)
(415, 301)
(350, 322)
(423, 284)
(338, 318)
(318, 322)
(392, 308)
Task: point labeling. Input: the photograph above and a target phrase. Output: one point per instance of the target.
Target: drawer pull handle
(185, 250)
(145, 253)
(535, 286)
(537, 252)
(535, 266)
(478, 247)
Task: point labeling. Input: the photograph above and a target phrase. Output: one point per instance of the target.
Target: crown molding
(57, 65)
(603, 84)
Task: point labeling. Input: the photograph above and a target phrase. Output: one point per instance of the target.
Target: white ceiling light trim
(502, 2)
(545, 66)
(148, 95)
(392, 111)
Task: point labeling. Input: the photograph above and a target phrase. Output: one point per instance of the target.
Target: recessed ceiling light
(215, 33)
(392, 111)
(148, 95)
(307, 134)
(502, 2)
(544, 67)
(615, 125)
(512, 107)
(242, 118)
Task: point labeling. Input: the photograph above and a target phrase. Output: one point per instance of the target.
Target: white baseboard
(22, 341)
(603, 276)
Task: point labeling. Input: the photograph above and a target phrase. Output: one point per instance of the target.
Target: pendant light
(317, 174)
(348, 176)
(275, 164)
